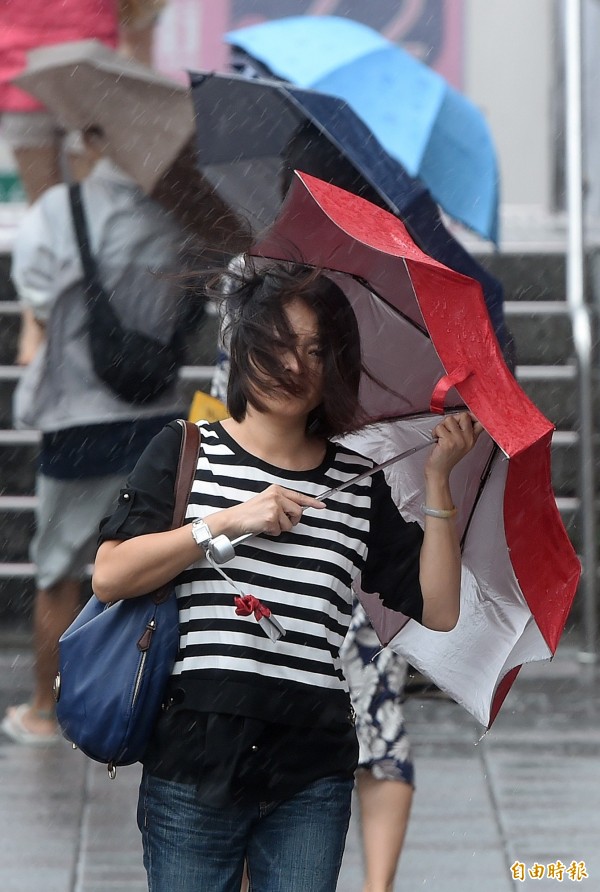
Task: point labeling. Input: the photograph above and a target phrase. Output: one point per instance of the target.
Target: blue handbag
(115, 659)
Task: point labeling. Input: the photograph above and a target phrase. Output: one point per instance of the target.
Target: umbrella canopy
(147, 124)
(145, 117)
(427, 343)
(252, 133)
(432, 129)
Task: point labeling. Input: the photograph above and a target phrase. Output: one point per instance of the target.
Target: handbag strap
(186, 469)
(90, 270)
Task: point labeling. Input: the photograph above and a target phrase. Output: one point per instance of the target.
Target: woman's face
(306, 362)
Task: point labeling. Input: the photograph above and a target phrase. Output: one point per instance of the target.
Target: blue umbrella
(252, 133)
(435, 132)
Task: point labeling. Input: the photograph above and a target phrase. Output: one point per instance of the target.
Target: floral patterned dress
(376, 678)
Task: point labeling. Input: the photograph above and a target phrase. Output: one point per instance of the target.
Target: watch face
(201, 532)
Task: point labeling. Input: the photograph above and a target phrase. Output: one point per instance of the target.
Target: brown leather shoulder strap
(186, 468)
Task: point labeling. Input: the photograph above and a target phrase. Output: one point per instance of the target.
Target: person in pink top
(31, 132)
(34, 136)
(44, 154)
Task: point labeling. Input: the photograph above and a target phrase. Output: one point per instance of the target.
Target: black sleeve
(146, 503)
(392, 566)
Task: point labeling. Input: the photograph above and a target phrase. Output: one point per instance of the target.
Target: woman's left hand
(456, 435)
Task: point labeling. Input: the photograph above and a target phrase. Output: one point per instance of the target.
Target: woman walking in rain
(253, 758)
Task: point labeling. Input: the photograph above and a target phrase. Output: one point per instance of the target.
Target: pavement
(490, 815)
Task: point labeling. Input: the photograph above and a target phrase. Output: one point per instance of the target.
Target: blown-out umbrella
(145, 117)
(145, 123)
(431, 128)
(252, 133)
(427, 343)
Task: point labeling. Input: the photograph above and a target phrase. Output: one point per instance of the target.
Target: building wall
(509, 74)
(500, 53)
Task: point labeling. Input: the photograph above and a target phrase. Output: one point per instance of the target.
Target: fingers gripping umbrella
(427, 343)
(433, 130)
(252, 134)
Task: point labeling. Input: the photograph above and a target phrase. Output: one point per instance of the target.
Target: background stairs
(536, 314)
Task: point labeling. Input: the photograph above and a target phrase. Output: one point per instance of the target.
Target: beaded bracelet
(442, 513)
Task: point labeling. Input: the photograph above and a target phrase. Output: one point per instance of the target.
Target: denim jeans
(291, 846)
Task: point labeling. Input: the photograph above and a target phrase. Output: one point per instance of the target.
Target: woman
(376, 677)
(254, 757)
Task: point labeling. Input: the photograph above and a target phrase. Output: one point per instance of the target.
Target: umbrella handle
(223, 549)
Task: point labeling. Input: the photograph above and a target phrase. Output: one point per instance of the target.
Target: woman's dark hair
(257, 333)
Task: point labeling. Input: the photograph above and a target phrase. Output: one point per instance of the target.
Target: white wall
(509, 75)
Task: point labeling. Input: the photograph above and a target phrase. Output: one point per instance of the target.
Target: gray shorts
(68, 516)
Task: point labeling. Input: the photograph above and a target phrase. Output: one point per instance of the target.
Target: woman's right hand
(142, 564)
(275, 510)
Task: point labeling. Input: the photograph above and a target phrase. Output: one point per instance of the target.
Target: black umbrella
(252, 133)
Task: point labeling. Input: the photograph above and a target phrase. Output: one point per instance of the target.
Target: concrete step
(536, 315)
(9, 329)
(7, 291)
(541, 331)
(18, 451)
(21, 567)
(551, 387)
(18, 464)
(548, 319)
(528, 275)
(17, 504)
(194, 373)
(192, 378)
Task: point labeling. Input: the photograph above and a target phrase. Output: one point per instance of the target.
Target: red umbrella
(427, 343)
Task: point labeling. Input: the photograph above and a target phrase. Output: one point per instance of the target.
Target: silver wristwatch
(201, 533)
(217, 548)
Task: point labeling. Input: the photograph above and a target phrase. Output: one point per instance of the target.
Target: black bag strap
(90, 270)
(186, 469)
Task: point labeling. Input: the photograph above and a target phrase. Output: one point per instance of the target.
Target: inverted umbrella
(427, 343)
(252, 133)
(146, 124)
(431, 128)
(146, 118)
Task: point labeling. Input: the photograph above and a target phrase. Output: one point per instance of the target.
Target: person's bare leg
(54, 611)
(384, 813)
(39, 168)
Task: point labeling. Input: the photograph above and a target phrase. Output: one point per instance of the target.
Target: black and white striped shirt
(226, 662)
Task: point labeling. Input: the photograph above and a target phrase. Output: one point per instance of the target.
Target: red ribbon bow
(249, 604)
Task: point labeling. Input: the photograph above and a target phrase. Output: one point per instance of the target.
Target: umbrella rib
(482, 481)
(384, 464)
(356, 479)
(391, 419)
(343, 151)
(407, 319)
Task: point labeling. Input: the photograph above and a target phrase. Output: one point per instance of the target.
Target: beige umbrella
(147, 124)
(145, 117)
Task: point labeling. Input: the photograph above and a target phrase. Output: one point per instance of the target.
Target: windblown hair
(257, 333)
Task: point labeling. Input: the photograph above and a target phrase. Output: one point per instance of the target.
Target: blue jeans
(291, 846)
